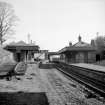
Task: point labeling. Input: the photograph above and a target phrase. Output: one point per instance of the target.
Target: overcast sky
(52, 24)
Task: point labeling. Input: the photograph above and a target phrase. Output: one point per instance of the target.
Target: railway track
(67, 93)
(98, 87)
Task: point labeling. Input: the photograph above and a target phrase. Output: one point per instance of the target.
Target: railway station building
(22, 51)
(79, 52)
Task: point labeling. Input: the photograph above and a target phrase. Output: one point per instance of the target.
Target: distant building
(53, 56)
(22, 51)
(80, 52)
(42, 54)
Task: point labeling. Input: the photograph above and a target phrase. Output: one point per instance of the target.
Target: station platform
(90, 66)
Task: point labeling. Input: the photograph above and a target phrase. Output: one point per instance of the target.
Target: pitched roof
(79, 46)
(80, 43)
(20, 43)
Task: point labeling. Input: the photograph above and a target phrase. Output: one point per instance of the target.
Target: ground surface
(58, 89)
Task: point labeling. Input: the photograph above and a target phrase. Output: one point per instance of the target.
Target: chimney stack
(92, 42)
(79, 38)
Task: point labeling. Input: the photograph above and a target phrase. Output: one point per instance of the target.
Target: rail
(75, 72)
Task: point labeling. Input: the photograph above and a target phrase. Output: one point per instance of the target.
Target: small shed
(22, 51)
(80, 52)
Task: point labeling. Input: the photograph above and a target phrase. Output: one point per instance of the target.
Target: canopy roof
(21, 45)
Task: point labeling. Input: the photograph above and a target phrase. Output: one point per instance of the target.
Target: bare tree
(7, 21)
(100, 41)
(100, 44)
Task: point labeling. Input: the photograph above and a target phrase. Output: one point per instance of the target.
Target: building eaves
(72, 48)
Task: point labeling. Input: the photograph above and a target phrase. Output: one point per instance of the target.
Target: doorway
(18, 57)
(97, 57)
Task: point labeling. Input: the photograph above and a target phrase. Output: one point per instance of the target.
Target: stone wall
(91, 57)
(81, 57)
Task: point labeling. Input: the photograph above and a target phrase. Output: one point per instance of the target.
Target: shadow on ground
(23, 98)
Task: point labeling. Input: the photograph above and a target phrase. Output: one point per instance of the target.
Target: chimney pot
(79, 38)
(70, 43)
